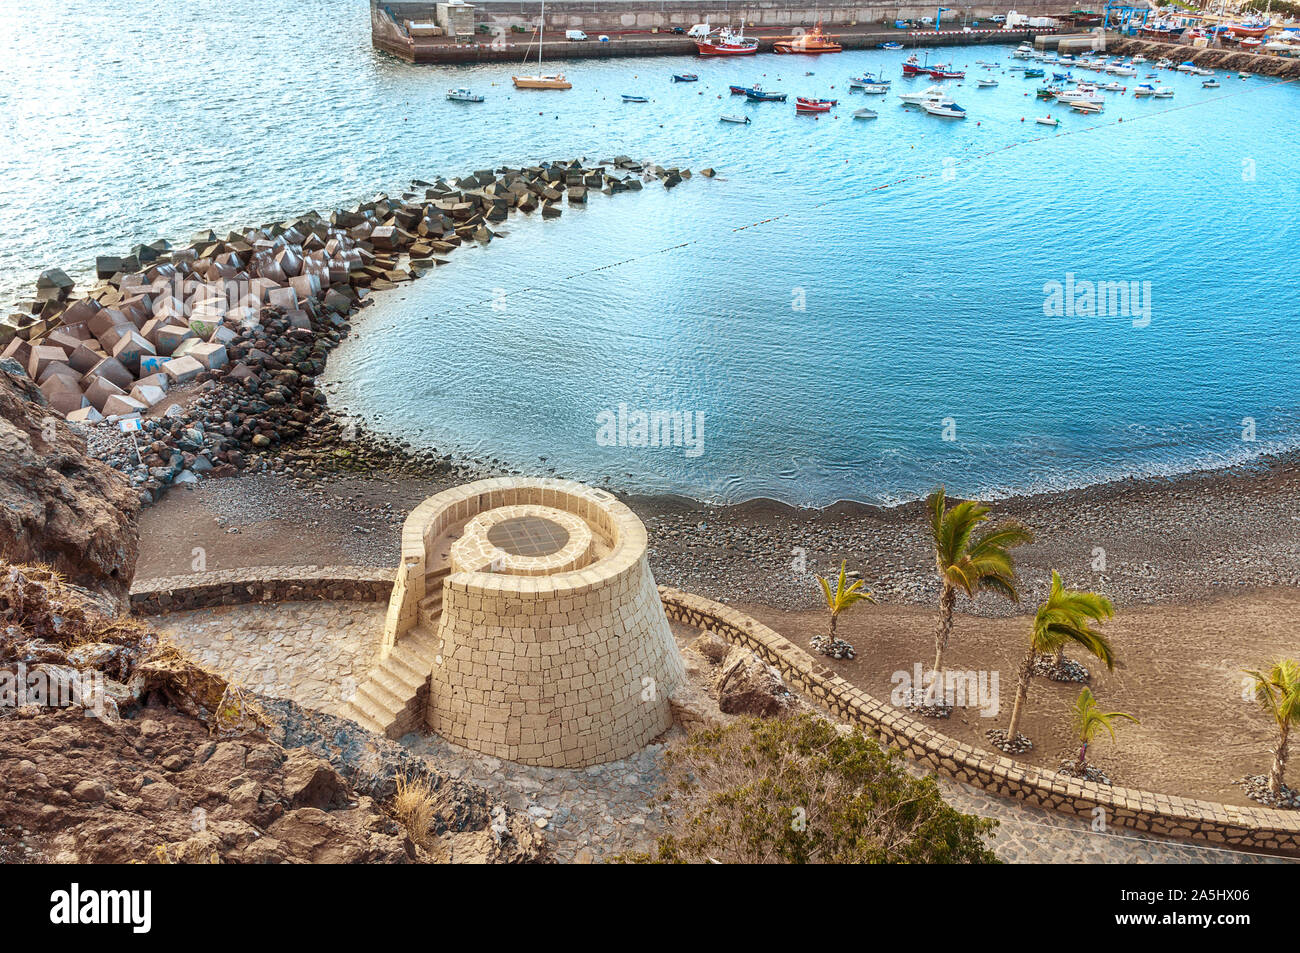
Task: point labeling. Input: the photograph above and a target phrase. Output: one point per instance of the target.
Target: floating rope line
(915, 177)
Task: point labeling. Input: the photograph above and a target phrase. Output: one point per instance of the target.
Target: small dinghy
(864, 114)
(1210, 84)
(1048, 121)
(758, 95)
(1164, 92)
(744, 120)
(685, 78)
(635, 99)
(986, 83)
(462, 95)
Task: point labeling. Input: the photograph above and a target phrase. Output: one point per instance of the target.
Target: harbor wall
(635, 28)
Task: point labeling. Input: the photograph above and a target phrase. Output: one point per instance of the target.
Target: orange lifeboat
(814, 41)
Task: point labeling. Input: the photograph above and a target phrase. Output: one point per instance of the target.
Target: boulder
(57, 505)
(746, 685)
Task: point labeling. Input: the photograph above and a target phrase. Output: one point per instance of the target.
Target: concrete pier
(499, 31)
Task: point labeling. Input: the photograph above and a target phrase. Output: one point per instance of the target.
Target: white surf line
(917, 177)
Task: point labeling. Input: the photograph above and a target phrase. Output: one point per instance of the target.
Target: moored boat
(541, 80)
(947, 72)
(986, 83)
(635, 99)
(948, 109)
(741, 90)
(1086, 106)
(864, 114)
(811, 106)
(758, 95)
(1210, 84)
(926, 95)
(732, 118)
(1047, 121)
(1164, 92)
(1144, 89)
(686, 78)
(728, 43)
(462, 95)
(1034, 74)
(814, 41)
(891, 45)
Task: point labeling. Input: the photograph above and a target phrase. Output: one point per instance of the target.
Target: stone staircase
(391, 701)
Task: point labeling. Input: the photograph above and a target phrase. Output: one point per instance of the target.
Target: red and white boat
(912, 67)
(803, 105)
(943, 72)
(727, 43)
(1255, 28)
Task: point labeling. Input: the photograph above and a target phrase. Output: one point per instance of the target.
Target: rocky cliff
(57, 506)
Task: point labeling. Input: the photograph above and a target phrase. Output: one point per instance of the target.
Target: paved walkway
(316, 653)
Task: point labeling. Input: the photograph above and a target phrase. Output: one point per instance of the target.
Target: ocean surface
(852, 309)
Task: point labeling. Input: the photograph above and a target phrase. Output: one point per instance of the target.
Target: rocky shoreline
(201, 361)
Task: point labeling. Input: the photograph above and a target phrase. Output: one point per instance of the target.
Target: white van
(698, 32)
(574, 35)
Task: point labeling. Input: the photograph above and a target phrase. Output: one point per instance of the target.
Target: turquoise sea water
(825, 352)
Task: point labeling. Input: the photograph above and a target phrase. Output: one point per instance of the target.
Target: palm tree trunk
(1082, 763)
(1060, 657)
(834, 619)
(1022, 693)
(1279, 765)
(943, 631)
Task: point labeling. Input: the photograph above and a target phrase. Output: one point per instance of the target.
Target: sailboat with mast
(541, 80)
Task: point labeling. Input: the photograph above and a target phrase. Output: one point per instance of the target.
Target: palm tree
(1278, 692)
(967, 564)
(842, 597)
(1088, 720)
(1064, 617)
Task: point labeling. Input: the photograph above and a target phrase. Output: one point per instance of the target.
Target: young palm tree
(1064, 617)
(842, 597)
(1278, 693)
(969, 564)
(1088, 720)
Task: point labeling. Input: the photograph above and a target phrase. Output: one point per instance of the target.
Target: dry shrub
(413, 806)
(801, 790)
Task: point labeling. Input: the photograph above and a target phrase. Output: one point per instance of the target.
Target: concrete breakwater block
(182, 370)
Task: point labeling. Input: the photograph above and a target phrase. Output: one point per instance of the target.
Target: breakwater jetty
(208, 352)
(498, 31)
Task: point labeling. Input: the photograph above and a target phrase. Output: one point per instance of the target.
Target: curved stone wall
(1223, 824)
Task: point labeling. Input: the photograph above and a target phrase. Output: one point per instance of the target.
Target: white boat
(1185, 67)
(1164, 92)
(1121, 70)
(864, 114)
(986, 83)
(1080, 94)
(1139, 58)
(462, 95)
(1111, 87)
(1163, 63)
(1199, 71)
(1048, 121)
(1086, 107)
(1243, 76)
(1066, 59)
(1024, 51)
(1210, 84)
(929, 94)
(740, 119)
(948, 109)
(541, 80)
(1144, 89)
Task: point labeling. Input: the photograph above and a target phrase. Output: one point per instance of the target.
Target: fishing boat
(986, 83)
(1024, 51)
(758, 95)
(1062, 78)
(930, 93)
(1034, 73)
(1254, 27)
(1210, 84)
(870, 83)
(741, 90)
(808, 101)
(1251, 43)
(1048, 121)
(1139, 59)
(635, 99)
(462, 95)
(728, 43)
(947, 72)
(1144, 89)
(1163, 63)
(864, 114)
(913, 67)
(891, 45)
(541, 80)
(1048, 92)
(686, 78)
(811, 106)
(948, 109)
(1164, 92)
(1112, 87)
(814, 41)
(739, 119)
